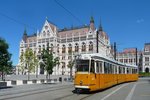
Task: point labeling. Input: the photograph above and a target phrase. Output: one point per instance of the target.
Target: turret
(25, 36)
(92, 27)
(100, 27)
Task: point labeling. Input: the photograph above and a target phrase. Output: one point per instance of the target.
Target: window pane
(83, 65)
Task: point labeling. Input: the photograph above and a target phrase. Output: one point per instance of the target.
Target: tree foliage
(30, 61)
(22, 64)
(49, 60)
(5, 58)
(35, 63)
(70, 65)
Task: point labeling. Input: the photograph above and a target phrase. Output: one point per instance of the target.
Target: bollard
(13, 82)
(55, 80)
(60, 79)
(42, 80)
(24, 81)
(48, 80)
(65, 79)
(34, 81)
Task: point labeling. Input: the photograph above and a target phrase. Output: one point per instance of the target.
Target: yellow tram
(96, 72)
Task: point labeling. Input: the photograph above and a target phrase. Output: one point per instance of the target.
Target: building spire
(92, 26)
(100, 26)
(91, 19)
(46, 18)
(25, 35)
(25, 31)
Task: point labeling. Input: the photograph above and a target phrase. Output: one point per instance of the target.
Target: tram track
(86, 97)
(81, 96)
(31, 92)
(70, 95)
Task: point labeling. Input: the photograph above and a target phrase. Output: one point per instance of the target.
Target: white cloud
(140, 20)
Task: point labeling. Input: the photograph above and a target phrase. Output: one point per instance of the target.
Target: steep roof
(73, 32)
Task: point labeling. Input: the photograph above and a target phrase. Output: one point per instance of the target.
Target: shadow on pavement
(6, 87)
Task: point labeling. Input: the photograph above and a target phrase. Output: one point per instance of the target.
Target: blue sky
(127, 22)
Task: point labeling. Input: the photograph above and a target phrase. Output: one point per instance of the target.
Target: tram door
(97, 72)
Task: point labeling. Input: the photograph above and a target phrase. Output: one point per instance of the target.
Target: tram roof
(102, 57)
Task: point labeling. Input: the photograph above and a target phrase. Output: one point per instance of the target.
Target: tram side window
(92, 67)
(124, 70)
(105, 67)
(127, 70)
(133, 70)
(100, 66)
(119, 70)
(108, 67)
(113, 67)
(136, 71)
(116, 69)
(97, 67)
(130, 70)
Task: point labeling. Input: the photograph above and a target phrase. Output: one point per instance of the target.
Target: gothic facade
(66, 44)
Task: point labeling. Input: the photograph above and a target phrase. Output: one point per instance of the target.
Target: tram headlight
(81, 82)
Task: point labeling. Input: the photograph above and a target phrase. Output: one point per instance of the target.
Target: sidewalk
(22, 79)
(32, 87)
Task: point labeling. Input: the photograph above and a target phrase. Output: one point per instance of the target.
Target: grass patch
(143, 74)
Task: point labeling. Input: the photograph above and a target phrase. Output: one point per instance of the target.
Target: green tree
(22, 63)
(71, 62)
(70, 65)
(49, 61)
(29, 57)
(35, 64)
(56, 61)
(5, 58)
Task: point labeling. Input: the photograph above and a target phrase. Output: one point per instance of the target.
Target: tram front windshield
(82, 65)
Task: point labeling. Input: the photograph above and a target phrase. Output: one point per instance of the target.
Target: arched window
(48, 33)
(70, 49)
(91, 46)
(58, 48)
(147, 70)
(39, 49)
(63, 67)
(83, 47)
(43, 47)
(44, 33)
(63, 49)
(76, 47)
(51, 48)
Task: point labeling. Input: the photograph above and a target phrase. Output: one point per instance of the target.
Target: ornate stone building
(146, 58)
(66, 43)
(128, 56)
